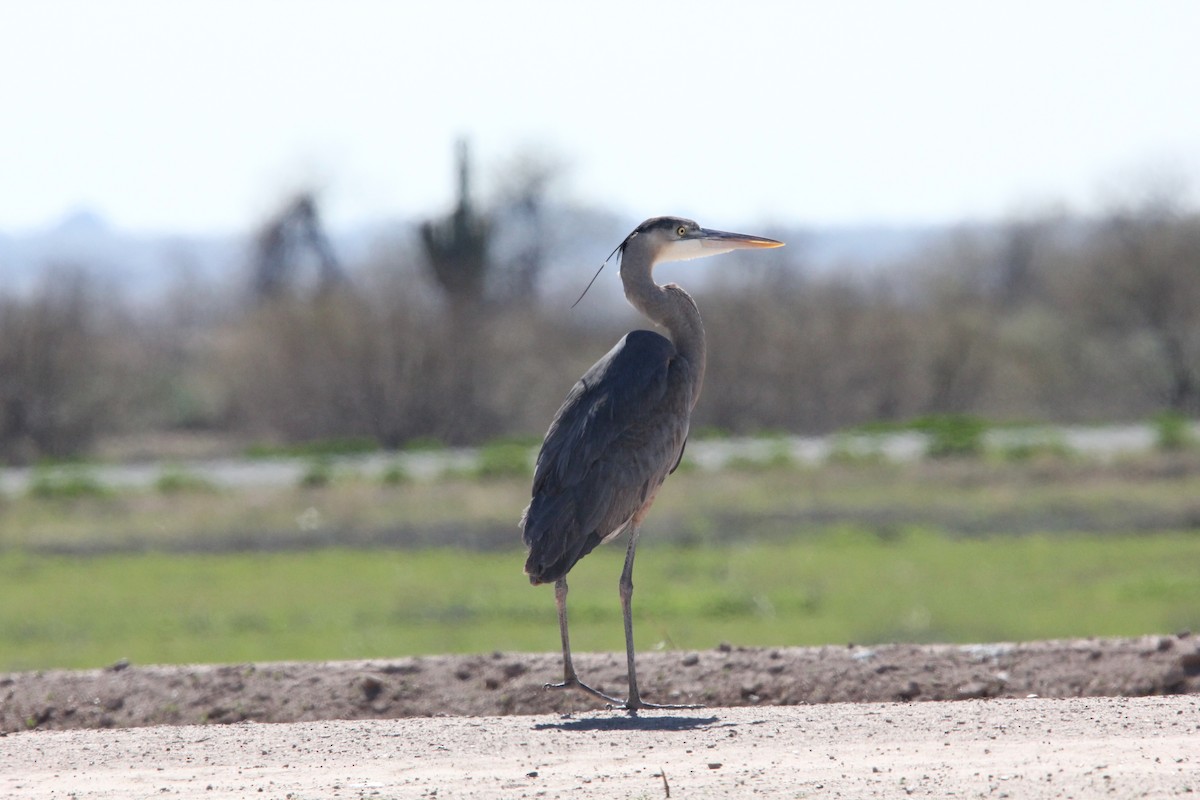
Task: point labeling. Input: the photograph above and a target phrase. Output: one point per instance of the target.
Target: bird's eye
(681, 230)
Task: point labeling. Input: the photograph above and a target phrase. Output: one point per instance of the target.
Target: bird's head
(660, 239)
(679, 239)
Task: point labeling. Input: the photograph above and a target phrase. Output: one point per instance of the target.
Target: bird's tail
(554, 542)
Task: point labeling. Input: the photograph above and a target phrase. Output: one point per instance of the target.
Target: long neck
(669, 306)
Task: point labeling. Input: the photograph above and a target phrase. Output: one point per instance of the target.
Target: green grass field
(957, 550)
(839, 585)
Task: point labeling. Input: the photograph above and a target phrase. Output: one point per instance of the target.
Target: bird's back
(617, 436)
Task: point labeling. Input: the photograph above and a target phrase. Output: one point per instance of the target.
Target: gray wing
(617, 436)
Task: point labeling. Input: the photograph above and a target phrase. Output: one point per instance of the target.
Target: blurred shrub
(394, 474)
(176, 480)
(385, 364)
(1173, 431)
(424, 444)
(337, 446)
(809, 356)
(1020, 452)
(505, 459)
(66, 483)
(319, 473)
(858, 449)
(778, 456)
(952, 435)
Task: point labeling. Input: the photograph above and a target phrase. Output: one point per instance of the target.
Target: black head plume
(618, 249)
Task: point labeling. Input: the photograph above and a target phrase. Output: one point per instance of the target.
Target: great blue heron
(622, 428)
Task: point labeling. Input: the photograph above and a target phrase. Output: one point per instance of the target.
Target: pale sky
(199, 117)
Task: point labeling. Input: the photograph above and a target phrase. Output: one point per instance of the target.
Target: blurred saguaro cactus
(456, 246)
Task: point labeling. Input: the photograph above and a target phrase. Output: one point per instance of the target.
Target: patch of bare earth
(123, 695)
(1143, 747)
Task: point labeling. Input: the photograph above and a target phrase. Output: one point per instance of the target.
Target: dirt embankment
(511, 683)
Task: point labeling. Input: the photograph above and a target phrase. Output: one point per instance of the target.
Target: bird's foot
(575, 683)
(632, 705)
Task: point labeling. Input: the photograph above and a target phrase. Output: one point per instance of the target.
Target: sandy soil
(1028, 748)
(1084, 718)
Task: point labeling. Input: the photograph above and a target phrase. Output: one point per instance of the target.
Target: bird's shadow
(629, 722)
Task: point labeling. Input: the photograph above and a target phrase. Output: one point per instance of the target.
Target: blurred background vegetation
(362, 372)
(1049, 318)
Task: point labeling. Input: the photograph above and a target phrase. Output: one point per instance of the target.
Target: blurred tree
(1143, 271)
(957, 332)
(520, 214)
(1020, 258)
(804, 354)
(280, 244)
(59, 381)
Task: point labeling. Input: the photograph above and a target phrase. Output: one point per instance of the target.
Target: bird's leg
(570, 678)
(626, 587)
(560, 601)
(635, 699)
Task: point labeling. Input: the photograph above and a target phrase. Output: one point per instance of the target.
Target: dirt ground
(1029, 748)
(812, 722)
(498, 684)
